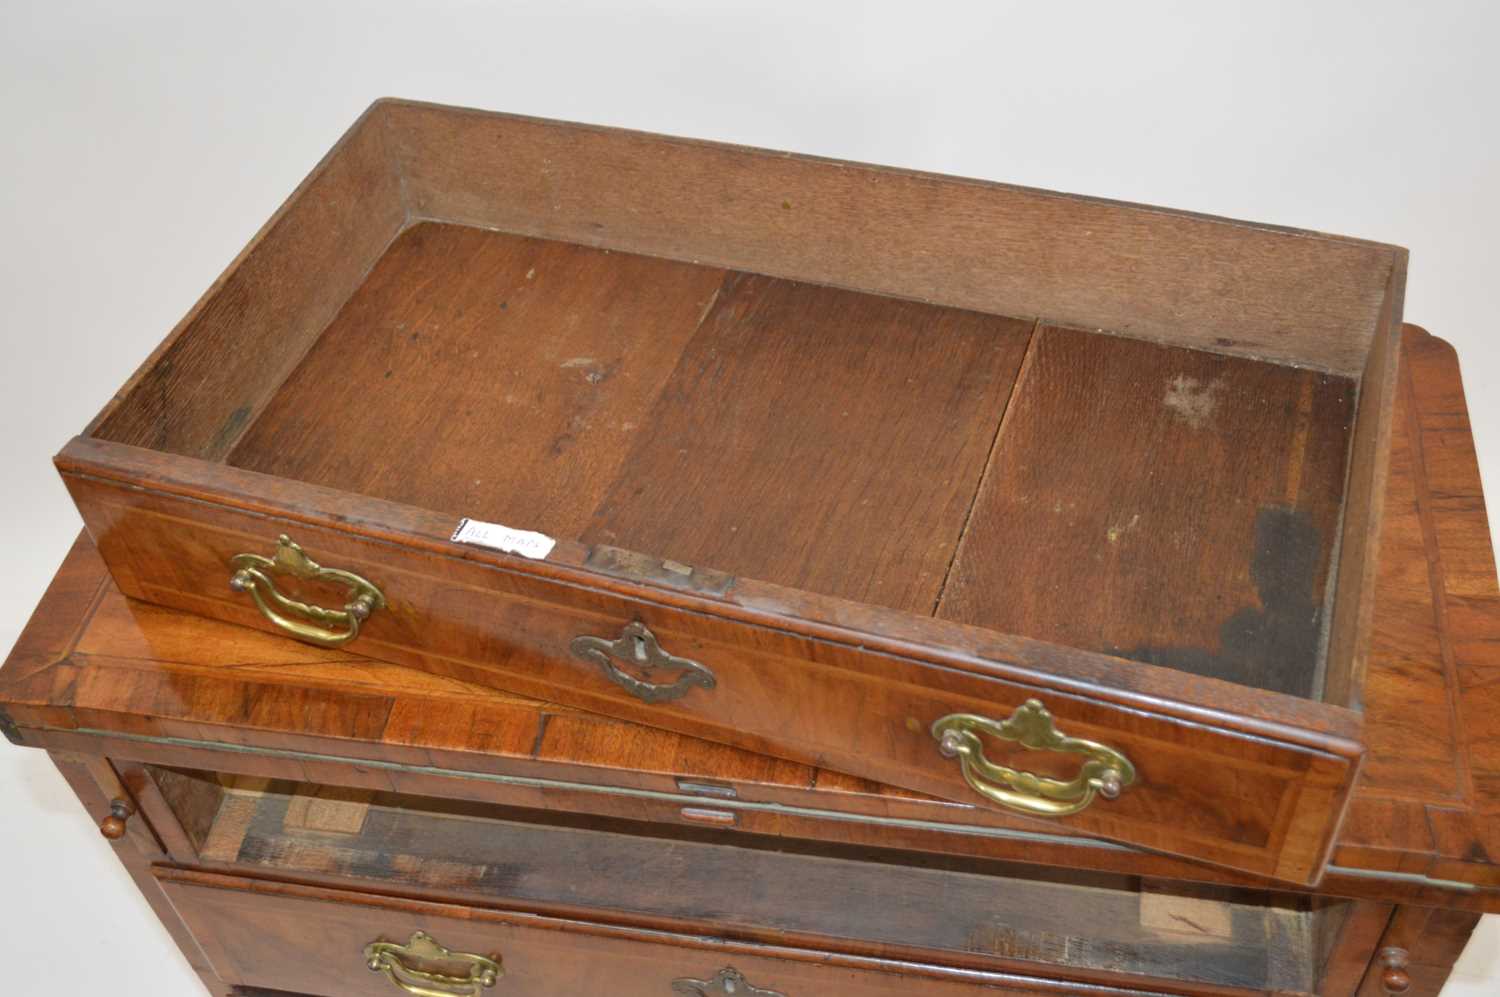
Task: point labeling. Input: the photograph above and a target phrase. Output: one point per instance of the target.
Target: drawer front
(1003, 917)
(1264, 796)
(316, 941)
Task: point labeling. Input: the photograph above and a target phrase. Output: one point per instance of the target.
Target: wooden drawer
(985, 916)
(1261, 794)
(309, 940)
(903, 453)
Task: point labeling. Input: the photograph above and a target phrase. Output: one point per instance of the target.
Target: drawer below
(986, 916)
(267, 936)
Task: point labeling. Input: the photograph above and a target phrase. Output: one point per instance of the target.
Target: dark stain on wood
(230, 431)
(1278, 638)
(1140, 496)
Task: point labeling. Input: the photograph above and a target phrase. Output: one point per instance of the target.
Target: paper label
(497, 537)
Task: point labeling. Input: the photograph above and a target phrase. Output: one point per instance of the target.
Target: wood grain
(990, 916)
(1434, 715)
(809, 437)
(1355, 938)
(814, 438)
(364, 450)
(198, 391)
(1167, 506)
(309, 939)
(1432, 941)
(95, 660)
(1369, 466)
(484, 375)
(1150, 273)
(852, 703)
(1413, 750)
(142, 669)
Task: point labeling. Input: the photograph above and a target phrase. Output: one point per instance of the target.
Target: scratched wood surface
(1165, 505)
(788, 432)
(484, 375)
(816, 438)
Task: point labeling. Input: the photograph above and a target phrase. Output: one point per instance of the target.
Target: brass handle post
(1105, 771)
(402, 965)
(314, 624)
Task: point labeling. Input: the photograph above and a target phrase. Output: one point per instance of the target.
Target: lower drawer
(984, 916)
(261, 935)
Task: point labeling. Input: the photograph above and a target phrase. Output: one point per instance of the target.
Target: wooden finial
(1394, 978)
(113, 826)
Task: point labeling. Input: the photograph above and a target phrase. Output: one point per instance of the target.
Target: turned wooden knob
(1393, 977)
(113, 826)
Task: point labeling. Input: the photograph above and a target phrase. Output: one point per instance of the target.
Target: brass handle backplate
(1105, 771)
(401, 965)
(728, 982)
(638, 646)
(314, 624)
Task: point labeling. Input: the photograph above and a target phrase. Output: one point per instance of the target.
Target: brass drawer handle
(395, 961)
(638, 646)
(1105, 772)
(253, 574)
(728, 981)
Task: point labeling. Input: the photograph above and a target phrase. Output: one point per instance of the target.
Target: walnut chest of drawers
(308, 820)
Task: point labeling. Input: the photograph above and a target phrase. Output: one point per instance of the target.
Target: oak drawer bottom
(266, 936)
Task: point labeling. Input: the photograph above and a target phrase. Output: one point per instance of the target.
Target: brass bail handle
(314, 624)
(1105, 771)
(401, 965)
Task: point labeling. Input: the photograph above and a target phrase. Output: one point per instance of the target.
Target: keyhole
(640, 647)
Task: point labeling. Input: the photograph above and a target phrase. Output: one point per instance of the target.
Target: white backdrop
(144, 143)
